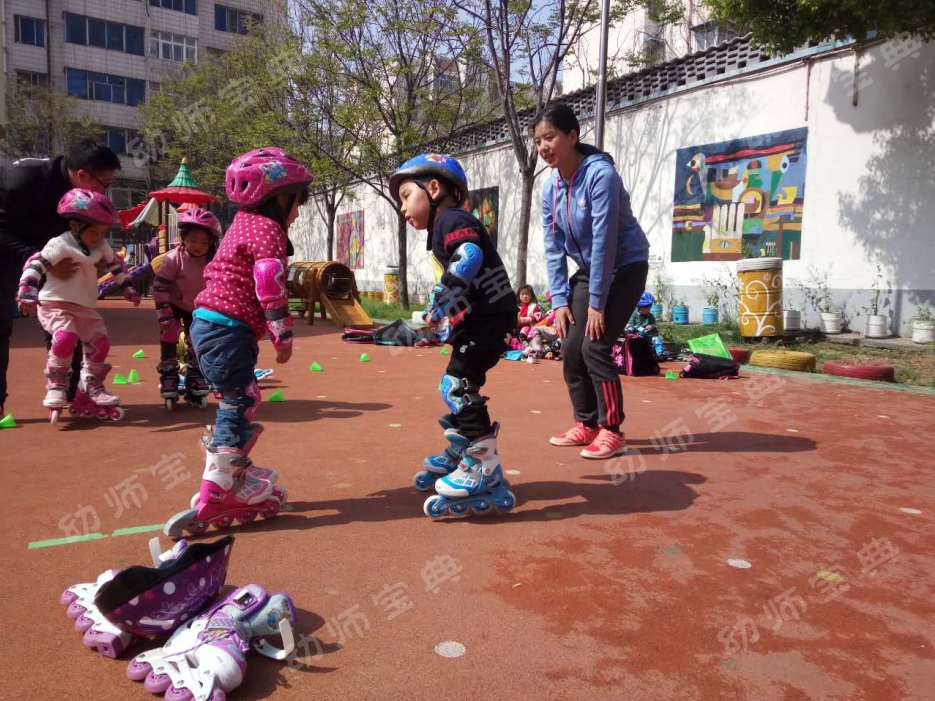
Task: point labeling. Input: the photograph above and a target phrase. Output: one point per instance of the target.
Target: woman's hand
(595, 327)
(563, 317)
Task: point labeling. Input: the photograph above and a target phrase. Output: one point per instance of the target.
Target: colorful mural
(740, 199)
(350, 230)
(485, 205)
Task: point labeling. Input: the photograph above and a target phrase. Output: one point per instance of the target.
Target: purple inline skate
(207, 657)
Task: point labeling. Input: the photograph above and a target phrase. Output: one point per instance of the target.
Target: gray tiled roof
(735, 54)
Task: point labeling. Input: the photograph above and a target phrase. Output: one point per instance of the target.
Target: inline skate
(56, 391)
(93, 400)
(196, 386)
(169, 382)
(446, 462)
(228, 491)
(477, 486)
(207, 657)
(99, 633)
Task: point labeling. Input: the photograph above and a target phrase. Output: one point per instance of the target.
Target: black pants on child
(476, 348)
(590, 373)
(169, 350)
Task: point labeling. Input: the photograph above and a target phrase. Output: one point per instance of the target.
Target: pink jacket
(181, 277)
(249, 267)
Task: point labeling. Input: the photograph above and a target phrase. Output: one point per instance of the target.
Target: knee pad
(97, 348)
(63, 343)
(458, 394)
(243, 400)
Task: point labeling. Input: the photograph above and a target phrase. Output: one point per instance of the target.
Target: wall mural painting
(350, 228)
(485, 205)
(740, 199)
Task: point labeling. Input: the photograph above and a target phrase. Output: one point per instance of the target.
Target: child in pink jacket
(181, 277)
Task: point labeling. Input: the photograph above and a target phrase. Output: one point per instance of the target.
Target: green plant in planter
(876, 294)
(726, 285)
(662, 288)
(713, 298)
(923, 313)
(815, 290)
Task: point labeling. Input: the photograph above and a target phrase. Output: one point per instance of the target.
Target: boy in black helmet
(473, 292)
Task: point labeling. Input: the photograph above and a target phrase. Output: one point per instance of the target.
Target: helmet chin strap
(433, 207)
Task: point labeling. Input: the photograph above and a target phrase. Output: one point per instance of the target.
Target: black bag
(399, 333)
(352, 335)
(639, 359)
(710, 367)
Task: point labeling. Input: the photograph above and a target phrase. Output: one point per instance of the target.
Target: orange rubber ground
(586, 590)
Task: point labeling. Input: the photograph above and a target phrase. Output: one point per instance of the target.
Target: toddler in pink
(66, 307)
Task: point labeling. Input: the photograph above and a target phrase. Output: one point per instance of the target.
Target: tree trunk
(332, 211)
(522, 242)
(403, 276)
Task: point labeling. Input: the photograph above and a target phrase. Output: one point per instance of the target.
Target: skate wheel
(223, 522)
(508, 502)
(138, 671)
(156, 683)
(272, 509)
(118, 414)
(249, 518)
(459, 510)
(101, 414)
(170, 405)
(482, 510)
(197, 527)
(54, 415)
(434, 506)
(423, 481)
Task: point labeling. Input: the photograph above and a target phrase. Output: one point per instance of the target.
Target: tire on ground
(860, 371)
(784, 360)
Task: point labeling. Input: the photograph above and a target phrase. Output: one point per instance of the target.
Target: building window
(173, 47)
(189, 7)
(125, 196)
(28, 30)
(154, 86)
(117, 139)
(710, 34)
(227, 19)
(39, 80)
(102, 87)
(88, 31)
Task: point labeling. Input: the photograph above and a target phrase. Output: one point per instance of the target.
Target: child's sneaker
(607, 444)
(579, 435)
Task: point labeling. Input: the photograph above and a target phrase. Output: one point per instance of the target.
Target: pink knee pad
(97, 348)
(63, 343)
(253, 391)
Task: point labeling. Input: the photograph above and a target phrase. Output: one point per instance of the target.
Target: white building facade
(837, 189)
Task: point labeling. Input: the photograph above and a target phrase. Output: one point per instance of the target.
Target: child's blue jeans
(227, 356)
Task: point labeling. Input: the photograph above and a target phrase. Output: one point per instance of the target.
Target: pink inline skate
(93, 400)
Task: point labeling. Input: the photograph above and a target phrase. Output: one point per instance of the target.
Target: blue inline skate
(477, 486)
(444, 463)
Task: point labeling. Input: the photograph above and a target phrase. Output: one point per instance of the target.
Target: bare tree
(398, 67)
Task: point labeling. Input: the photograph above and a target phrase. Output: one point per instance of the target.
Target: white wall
(868, 198)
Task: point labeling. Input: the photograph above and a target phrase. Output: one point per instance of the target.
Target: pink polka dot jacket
(246, 279)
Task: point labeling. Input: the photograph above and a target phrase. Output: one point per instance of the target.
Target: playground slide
(345, 312)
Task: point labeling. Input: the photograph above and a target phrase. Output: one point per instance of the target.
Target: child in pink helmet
(66, 307)
(179, 280)
(244, 298)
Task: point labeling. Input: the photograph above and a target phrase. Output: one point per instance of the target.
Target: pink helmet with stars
(88, 206)
(258, 175)
(199, 217)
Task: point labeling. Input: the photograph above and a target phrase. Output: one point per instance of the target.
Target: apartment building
(112, 54)
(638, 38)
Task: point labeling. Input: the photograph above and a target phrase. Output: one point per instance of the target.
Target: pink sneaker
(607, 444)
(579, 435)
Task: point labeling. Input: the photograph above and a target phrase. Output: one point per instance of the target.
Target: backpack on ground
(710, 367)
(638, 357)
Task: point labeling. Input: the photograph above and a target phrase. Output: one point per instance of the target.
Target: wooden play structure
(331, 285)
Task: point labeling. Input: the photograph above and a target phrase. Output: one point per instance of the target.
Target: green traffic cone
(133, 376)
(7, 422)
(364, 358)
(315, 367)
(119, 379)
(445, 351)
(671, 375)
(277, 396)
(139, 354)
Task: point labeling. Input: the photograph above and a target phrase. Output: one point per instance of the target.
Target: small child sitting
(529, 313)
(642, 321)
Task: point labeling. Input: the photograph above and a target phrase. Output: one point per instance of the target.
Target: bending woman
(586, 215)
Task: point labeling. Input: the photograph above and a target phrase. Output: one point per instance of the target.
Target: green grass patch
(377, 309)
